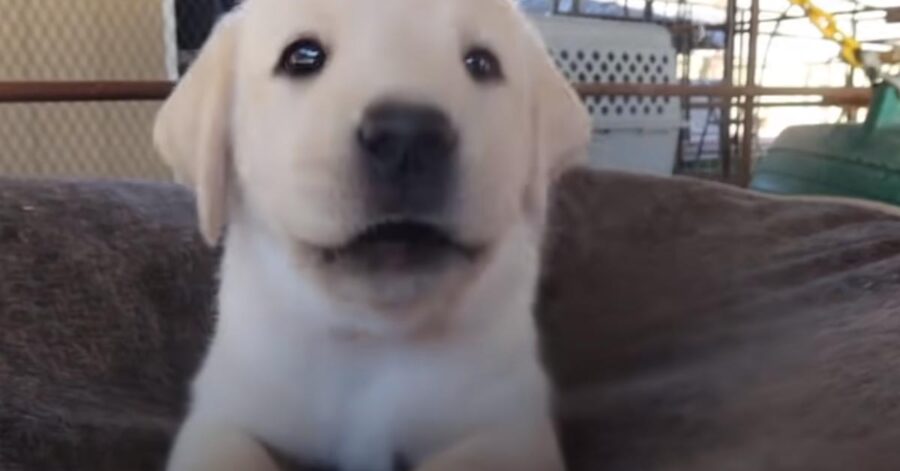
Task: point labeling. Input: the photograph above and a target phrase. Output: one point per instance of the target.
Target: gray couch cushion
(104, 305)
(698, 327)
(689, 326)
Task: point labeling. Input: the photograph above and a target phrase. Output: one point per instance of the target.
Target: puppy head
(390, 146)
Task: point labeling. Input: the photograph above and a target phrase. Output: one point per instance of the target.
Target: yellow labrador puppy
(382, 168)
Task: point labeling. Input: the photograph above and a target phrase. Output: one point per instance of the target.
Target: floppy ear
(192, 128)
(561, 124)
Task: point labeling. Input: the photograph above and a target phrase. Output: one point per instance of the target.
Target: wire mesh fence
(66, 40)
(79, 139)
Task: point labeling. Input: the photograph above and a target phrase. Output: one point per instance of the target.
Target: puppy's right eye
(302, 58)
(483, 65)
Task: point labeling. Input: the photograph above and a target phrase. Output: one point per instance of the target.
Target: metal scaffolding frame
(738, 106)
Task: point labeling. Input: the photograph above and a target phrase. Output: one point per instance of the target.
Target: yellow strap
(826, 23)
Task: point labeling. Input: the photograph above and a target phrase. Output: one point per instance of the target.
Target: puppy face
(390, 146)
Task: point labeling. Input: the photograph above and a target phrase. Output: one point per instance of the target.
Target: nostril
(374, 141)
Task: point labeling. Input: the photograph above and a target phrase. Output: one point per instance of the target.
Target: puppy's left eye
(483, 65)
(302, 58)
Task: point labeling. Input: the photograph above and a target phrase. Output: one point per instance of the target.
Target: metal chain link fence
(121, 40)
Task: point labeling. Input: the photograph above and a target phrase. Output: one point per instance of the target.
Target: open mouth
(400, 244)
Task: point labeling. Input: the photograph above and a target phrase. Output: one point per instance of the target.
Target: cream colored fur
(340, 368)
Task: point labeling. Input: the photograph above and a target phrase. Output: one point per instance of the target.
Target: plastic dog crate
(637, 134)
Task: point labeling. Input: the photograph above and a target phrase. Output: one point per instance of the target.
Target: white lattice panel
(631, 133)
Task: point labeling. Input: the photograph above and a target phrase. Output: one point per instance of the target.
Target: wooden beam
(893, 15)
(634, 89)
(13, 92)
(31, 92)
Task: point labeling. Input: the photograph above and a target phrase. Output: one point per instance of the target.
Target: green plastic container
(859, 161)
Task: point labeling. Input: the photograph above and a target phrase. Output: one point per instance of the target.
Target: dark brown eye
(483, 65)
(302, 58)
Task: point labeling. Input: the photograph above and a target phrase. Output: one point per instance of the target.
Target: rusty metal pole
(750, 98)
(849, 111)
(727, 81)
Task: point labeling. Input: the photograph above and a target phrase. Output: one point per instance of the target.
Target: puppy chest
(363, 413)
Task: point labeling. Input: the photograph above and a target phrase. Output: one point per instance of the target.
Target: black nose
(406, 140)
(408, 154)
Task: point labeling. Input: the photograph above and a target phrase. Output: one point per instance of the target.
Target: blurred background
(677, 87)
